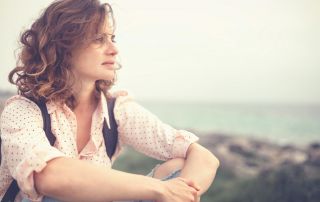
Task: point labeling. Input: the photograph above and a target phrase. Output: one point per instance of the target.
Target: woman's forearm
(200, 166)
(74, 180)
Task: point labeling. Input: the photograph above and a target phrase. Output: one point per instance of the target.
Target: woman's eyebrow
(105, 34)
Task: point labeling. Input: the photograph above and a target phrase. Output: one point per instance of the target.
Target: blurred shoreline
(249, 157)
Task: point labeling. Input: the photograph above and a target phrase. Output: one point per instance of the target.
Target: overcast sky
(217, 51)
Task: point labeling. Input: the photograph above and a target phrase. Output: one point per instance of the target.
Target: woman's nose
(111, 49)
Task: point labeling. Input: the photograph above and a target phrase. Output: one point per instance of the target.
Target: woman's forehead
(107, 28)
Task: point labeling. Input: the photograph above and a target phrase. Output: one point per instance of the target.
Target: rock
(247, 157)
(313, 154)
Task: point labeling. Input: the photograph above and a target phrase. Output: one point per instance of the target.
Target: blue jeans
(174, 174)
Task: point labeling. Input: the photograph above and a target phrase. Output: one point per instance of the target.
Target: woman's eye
(100, 40)
(104, 39)
(113, 38)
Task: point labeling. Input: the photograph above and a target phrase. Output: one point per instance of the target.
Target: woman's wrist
(158, 190)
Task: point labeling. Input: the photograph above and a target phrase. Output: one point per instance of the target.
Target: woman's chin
(109, 76)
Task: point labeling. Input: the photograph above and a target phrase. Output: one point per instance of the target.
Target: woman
(68, 60)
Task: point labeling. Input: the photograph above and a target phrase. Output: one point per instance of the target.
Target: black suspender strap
(110, 135)
(46, 120)
(11, 193)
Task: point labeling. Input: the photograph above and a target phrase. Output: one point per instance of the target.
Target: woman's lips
(109, 65)
(108, 62)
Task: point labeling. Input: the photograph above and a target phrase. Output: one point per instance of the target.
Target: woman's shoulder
(121, 96)
(19, 111)
(18, 100)
(126, 103)
(20, 103)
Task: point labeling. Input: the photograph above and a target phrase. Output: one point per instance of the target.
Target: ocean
(283, 124)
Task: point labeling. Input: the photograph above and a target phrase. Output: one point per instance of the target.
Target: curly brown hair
(43, 68)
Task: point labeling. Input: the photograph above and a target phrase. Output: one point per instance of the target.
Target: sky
(252, 51)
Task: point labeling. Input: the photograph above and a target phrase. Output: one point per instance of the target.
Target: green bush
(289, 183)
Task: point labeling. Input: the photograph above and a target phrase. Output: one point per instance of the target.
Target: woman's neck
(85, 98)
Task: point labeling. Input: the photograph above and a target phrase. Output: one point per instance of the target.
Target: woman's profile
(63, 131)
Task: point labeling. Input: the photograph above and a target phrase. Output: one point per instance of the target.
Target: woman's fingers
(178, 190)
(194, 188)
(191, 183)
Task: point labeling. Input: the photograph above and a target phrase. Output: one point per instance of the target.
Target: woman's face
(96, 61)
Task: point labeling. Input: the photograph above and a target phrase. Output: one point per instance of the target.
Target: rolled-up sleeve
(25, 148)
(143, 131)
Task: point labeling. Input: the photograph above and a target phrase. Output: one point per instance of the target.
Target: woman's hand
(179, 190)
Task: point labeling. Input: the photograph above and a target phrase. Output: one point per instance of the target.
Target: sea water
(297, 124)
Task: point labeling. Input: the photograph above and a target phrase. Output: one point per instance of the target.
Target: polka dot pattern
(25, 148)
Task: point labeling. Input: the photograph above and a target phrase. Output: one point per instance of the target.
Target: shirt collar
(100, 114)
(51, 106)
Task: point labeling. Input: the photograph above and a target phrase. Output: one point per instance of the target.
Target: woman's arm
(200, 166)
(74, 180)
